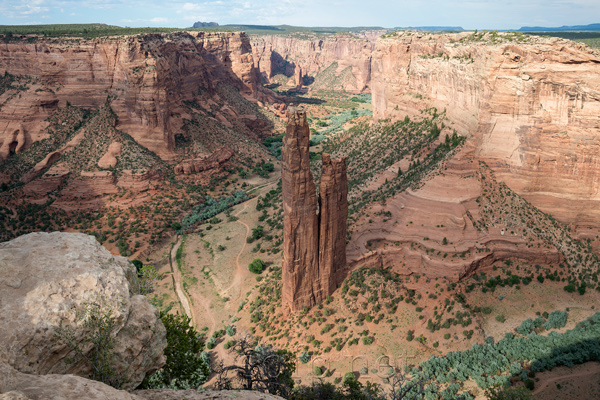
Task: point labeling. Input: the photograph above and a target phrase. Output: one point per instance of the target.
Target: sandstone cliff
(148, 78)
(530, 106)
(45, 278)
(314, 244)
(335, 62)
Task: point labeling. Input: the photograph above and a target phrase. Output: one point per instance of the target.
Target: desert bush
(257, 266)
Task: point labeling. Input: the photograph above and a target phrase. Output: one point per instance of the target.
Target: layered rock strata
(529, 105)
(148, 77)
(314, 247)
(336, 62)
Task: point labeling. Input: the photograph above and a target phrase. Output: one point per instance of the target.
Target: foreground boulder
(44, 279)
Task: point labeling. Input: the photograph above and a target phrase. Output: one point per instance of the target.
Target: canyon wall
(332, 62)
(529, 105)
(314, 243)
(147, 78)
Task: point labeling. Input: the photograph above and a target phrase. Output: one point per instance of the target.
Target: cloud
(159, 20)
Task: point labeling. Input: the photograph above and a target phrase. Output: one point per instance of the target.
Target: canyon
(146, 78)
(148, 130)
(332, 62)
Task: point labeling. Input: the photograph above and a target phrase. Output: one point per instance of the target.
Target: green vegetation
(257, 266)
(86, 31)
(96, 347)
(483, 362)
(212, 207)
(372, 149)
(186, 366)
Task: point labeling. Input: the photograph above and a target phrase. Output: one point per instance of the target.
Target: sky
(469, 14)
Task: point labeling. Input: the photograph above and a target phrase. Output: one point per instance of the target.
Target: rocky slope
(45, 280)
(529, 105)
(333, 62)
(147, 77)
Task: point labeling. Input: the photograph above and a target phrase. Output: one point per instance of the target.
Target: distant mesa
(590, 27)
(434, 28)
(200, 24)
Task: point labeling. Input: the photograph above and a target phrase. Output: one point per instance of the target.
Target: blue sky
(470, 14)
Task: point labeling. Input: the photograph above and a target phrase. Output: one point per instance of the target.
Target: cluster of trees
(483, 361)
(212, 207)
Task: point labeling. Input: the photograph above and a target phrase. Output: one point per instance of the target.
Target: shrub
(304, 358)
(257, 266)
(211, 343)
(570, 288)
(500, 318)
(229, 344)
(530, 384)
(526, 327)
(317, 370)
(556, 320)
(230, 330)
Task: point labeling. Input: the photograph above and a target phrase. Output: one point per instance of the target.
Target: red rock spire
(314, 245)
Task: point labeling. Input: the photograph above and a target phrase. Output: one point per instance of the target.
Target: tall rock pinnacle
(333, 213)
(314, 244)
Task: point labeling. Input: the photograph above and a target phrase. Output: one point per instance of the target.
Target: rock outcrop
(335, 62)
(15, 385)
(529, 105)
(148, 77)
(45, 278)
(109, 160)
(313, 254)
(213, 161)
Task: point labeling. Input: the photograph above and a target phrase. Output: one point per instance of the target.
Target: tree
(257, 232)
(96, 317)
(186, 366)
(258, 367)
(147, 277)
(257, 266)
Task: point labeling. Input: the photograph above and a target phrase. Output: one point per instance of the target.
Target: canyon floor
(426, 253)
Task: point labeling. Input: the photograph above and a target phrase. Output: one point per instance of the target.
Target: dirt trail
(177, 276)
(579, 374)
(183, 298)
(240, 271)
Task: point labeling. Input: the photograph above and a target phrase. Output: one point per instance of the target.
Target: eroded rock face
(313, 254)
(300, 220)
(333, 213)
(149, 78)
(529, 105)
(215, 160)
(45, 277)
(347, 60)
